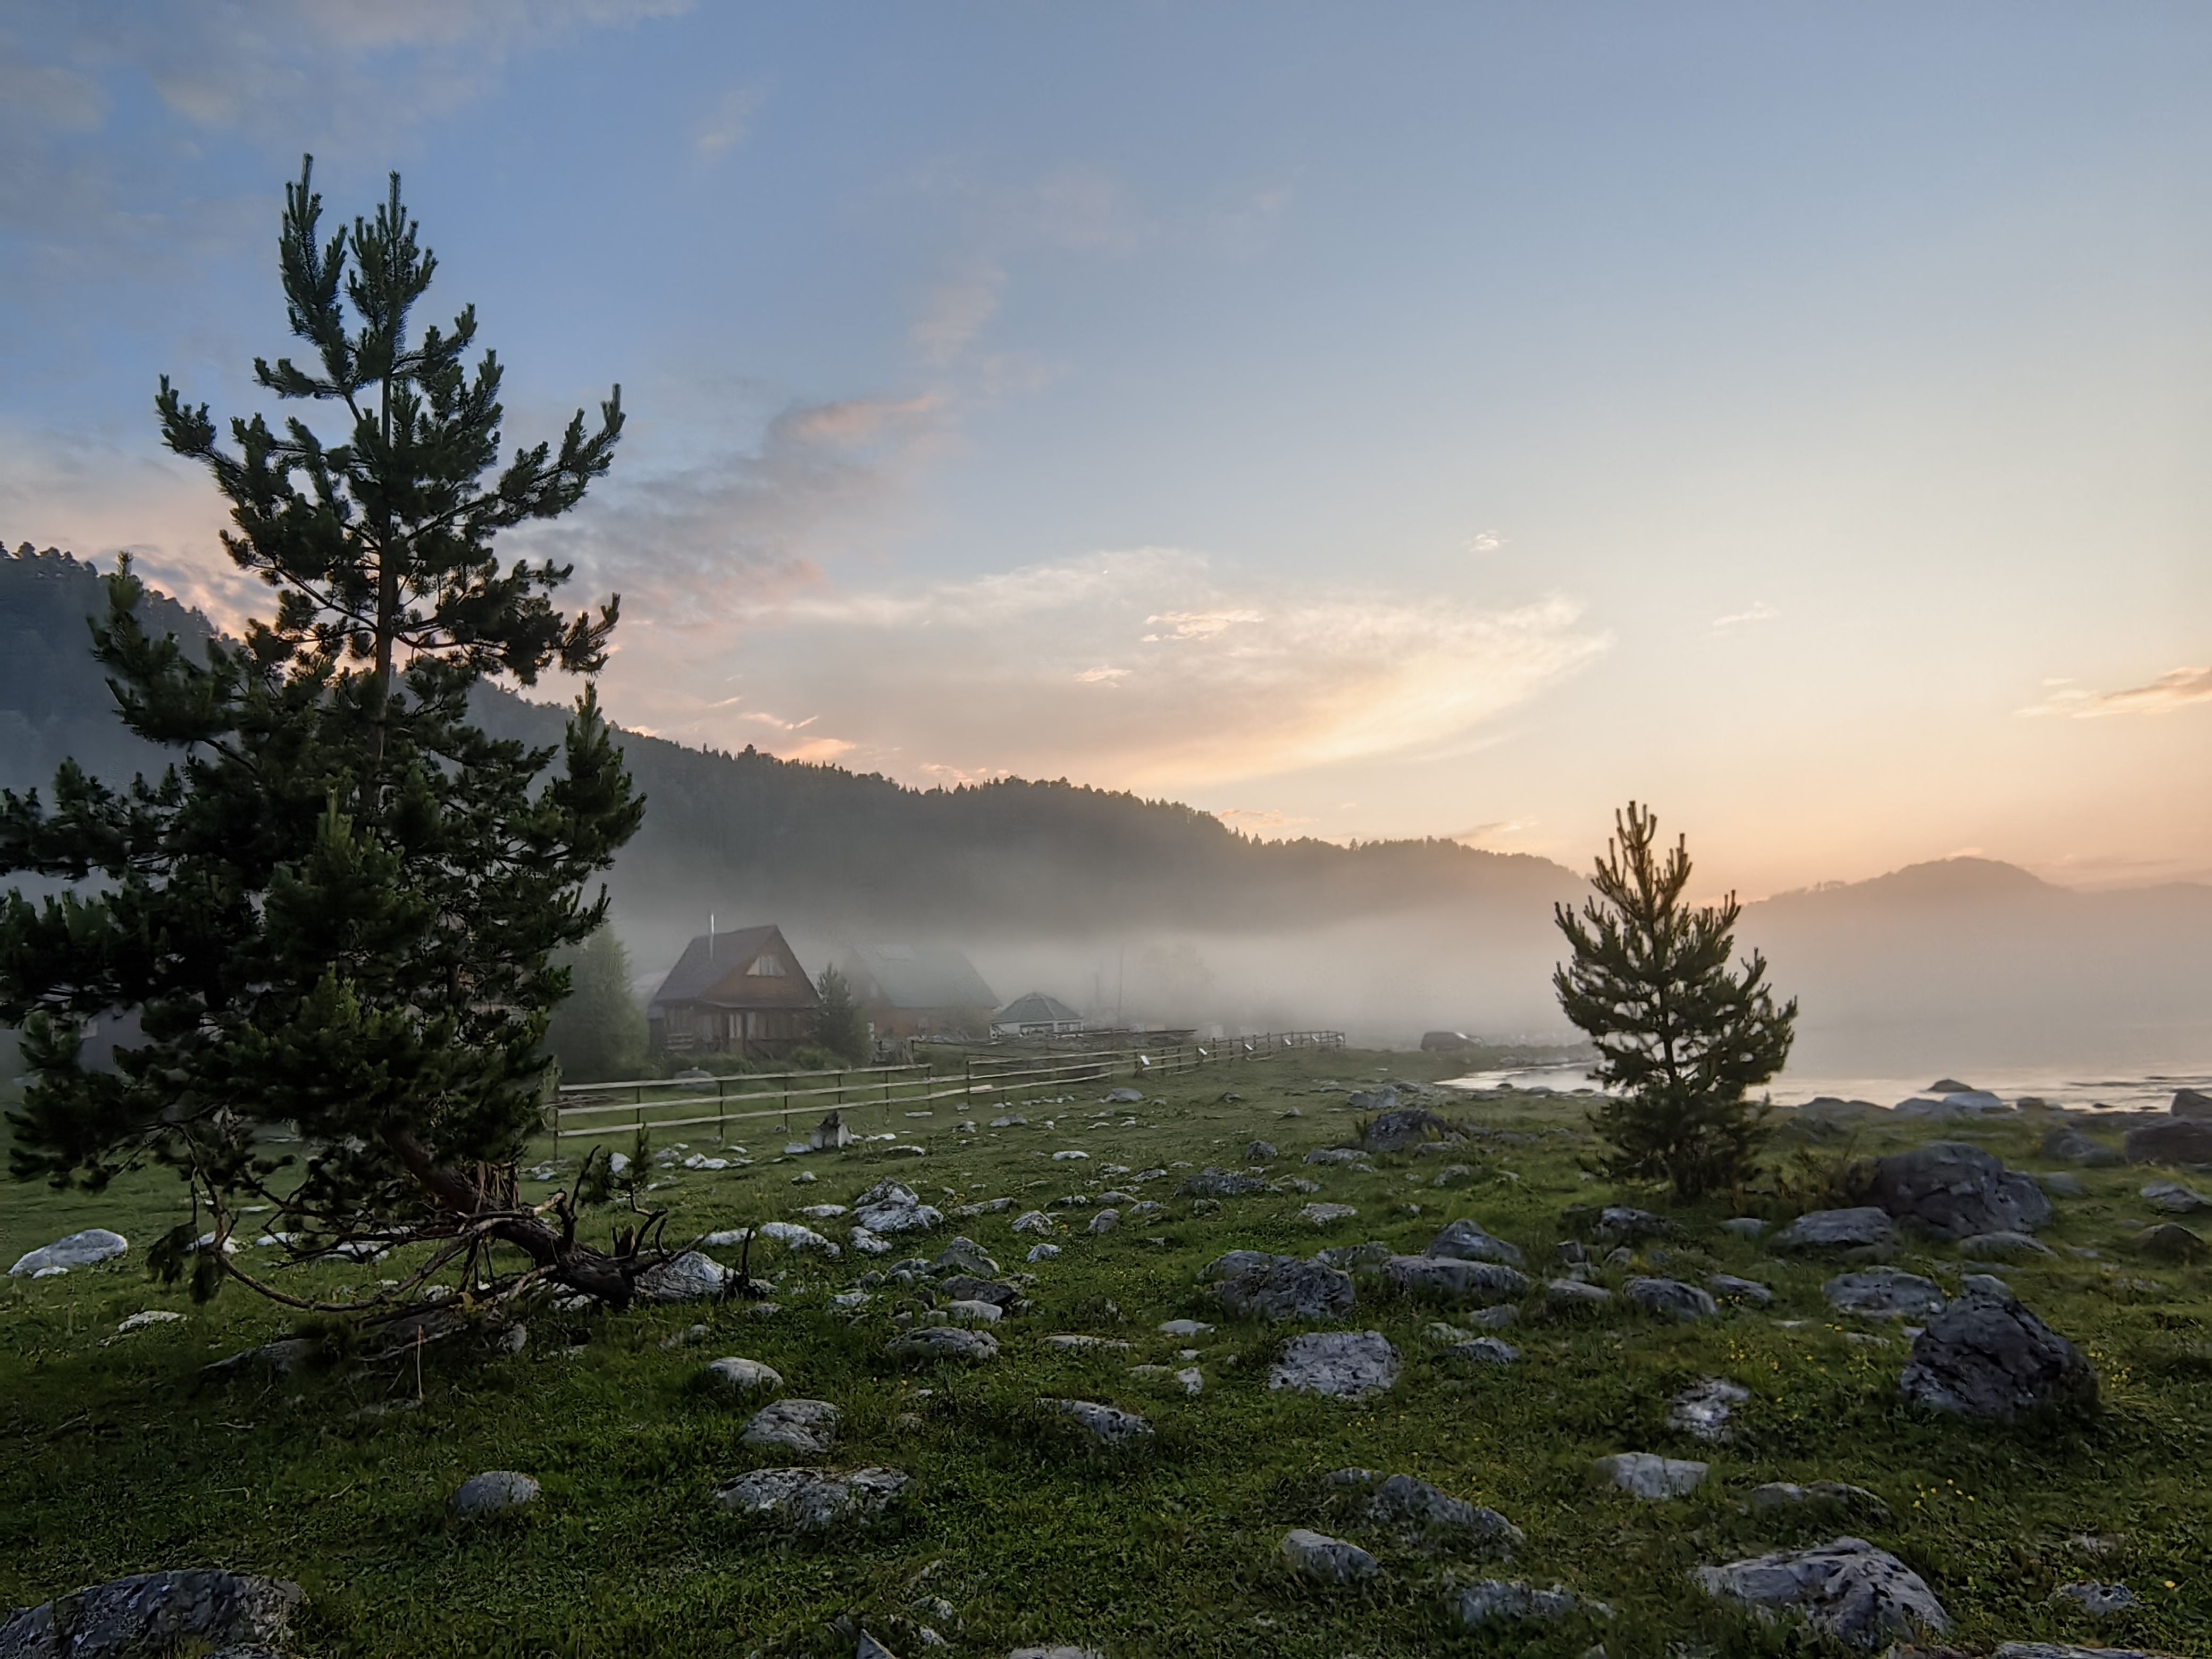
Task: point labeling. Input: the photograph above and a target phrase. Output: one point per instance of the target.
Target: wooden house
(919, 990)
(739, 992)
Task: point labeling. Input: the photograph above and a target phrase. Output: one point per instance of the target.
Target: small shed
(738, 993)
(919, 990)
(1036, 1015)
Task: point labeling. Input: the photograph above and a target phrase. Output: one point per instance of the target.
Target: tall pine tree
(1680, 1038)
(335, 913)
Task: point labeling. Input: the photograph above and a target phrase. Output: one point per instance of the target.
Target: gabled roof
(710, 960)
(1037, 1009)
(919, 977)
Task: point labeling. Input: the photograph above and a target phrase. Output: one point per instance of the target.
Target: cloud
(2177, 689)
(1759, 611)
(1485, 541)
(954, 315)
(726, 125)
(1262, 678)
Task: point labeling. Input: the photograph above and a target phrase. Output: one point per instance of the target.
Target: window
(767, 967)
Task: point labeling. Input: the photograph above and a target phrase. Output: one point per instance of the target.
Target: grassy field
(119, 1457)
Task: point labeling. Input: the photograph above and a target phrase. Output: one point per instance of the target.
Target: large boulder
(2192, 1103)
(496, 1491)
(1467, 1242)
(1867, 1226)
(1407, 1125)
(1344, 1364)
(1481, 1283)
(1650, 1477)
(154, 1612)
(84, 1249)
(1884, 1293)
(1672, 1298)
(804, 1426)
(2182, 1140)
(1953, 1190)
(1985, 1355)
(1846, 1590)
(689, 1277)
(888, 1208)
(2066, 1141)
(1287, 1287)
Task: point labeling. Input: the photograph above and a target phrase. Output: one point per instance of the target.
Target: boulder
(1492, 1601)
(1380, 1098)
(1344, 1364)
(1109, 1426)
(1672, 1298)
(943, 1342)
(1105, 1221)
(1744, 1226)
(1884, 1293)
(84, 1249)
(1327, 1215)
(1564, 1293)
(1355, 1258)
(155, 1613)
(2175, 1199)
(888, 1208)
(2003, 1246)
(1478, 1283)
(1986, 1356)
(1337, 1155)
(1394, 1131)
(1868, 1226)
(792, 1236)
(1417, 1513)
(805, 1426)
(1834, 1495)
(744, 1376)
(493, 1492)
(1210, 1183)
(1033, 1221)
(2100, 1601)
(1618, 1224)
(1326, 1560)
(1467, 1242)
(2192, 1103)
(1845, 1590)
(1650, 1477)
(1484, 1351)
(690, 1277)
(1702, 1411)
(2066, 1142)
(1739, 1290)
(966, 1288)
(814, 1500)
(1125, 1096)
(964, 1255)
(1952, 1189)
(2181, 1141)
(2170, 1240)
(974, 1314)
(1288, 1288)
(1261, 1151)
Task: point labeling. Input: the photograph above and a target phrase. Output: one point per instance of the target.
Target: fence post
(968, 1086)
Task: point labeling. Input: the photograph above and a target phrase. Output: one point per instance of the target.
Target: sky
(1359, 421)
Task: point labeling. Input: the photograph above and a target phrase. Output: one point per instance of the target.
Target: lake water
(2146, 1091)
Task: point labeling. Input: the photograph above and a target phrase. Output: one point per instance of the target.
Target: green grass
(116, 1457)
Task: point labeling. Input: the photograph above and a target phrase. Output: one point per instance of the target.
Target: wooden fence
(979, 1079)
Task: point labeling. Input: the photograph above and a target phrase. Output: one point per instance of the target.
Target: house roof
(920, 977)
(711, 970)
(1036, 1009)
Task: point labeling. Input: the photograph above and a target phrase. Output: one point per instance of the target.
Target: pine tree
(597, 1034)
(336, 912)
(1680, 1039)
(838, 1023)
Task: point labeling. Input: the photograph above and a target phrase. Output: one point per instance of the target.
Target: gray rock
(154, 1612)
(869, 1648)
(1563, 1293)
(965, 1287)
(2100, 1601)
(1337, 1155)
(1467, 1242)
(493, 1492)
(1380, 1098)
(1355, 1258)
(943, 1342)
(1210, 1183)
(1419, 1514)
(888, 1208)
(2003, 1246)
(1104, 1221)
(1261, 1151)
(2192, 1103)
(1326, 1560)
(2061, 1183)
(1288, 1288)
(1478, 1282)
(2180, 1140)
(965, 1255)
(1327, 1215)
(1484, 1351)
(744, 1376)
(690, 1277)
(1986, 1356)
(1952, 1189)
(1493, 1600)
(1033, 1221)
(1344, 1364)
(1846, 1590)
(976, 1316)
(1739, 1290)
(2066, 1141)
(1702, 1410)
(805, 1426)
(1619, 1224)
(1671, 1298)
(1834, 1495)
(1865, 1227)
(1394, 1131)
(1186, 1327)
(85, 1249)
(2169, 1241)
(283, 1358)
(1884, 1292)
(2067, 1650)
(1124, 1097)
(1109, 1426)
(1650, 1477)
(1744, 1226)
(814, 1500)
(2175, 1199)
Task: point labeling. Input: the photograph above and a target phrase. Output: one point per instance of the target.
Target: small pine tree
(597, 1032)
(838, 1024)
(336, 912)
(1680, 1038)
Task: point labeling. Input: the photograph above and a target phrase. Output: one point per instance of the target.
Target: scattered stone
(84, 1249)
(1072, 1340)
(1394, 1131)
(814, 1500)
(887, 1209)
(1033, 1221)
(1739, 1290)
(2066, 1141)
(1419, 1513)
(1355, 1258)
(964, 1255)
(1453, 1174)
(2003, 1246)
(983, 1206)
(1618, 1224)
(851, 1301)
(1380, 1098)
(284, 1357)
(1126, 1097)
(2181, 1141)
(1192, 1379)
(1071, 1156)
(972, 1314)
(1868, 1226)
(1327, 1215)
(139, 1322)
(1492, 1600)
(690, 1277)
(1009, 1121)
(943, 1342)
(1260, 1151)
(1817, 1494)
(2174, 1198)
(1484, 1351)
(1109, 1426)
(1986, 1356)
(1702, 1411)
(1466, 1241)
(744, 1376)
(792, 1236)
(1286, 1287)
(2169, 1241)
(1672, 1298)
(1210, 1183)
(1105, 1221)
(1846, 1590)
(805, 1426)
(493, 1492)
(1478, 1282)
(822, 1212)
(1326, 1560)
(1337, 1155)
(1884, 1292)
(2100, 1601)
(1564, 1293)
(868, 1243)
(1744, 1226)
(1344, 1364)
(1953, 1190)
(1041, 1253)
(156, 1613)
(1650, 1477)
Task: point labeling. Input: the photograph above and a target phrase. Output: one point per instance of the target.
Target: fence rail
(651, 1104)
